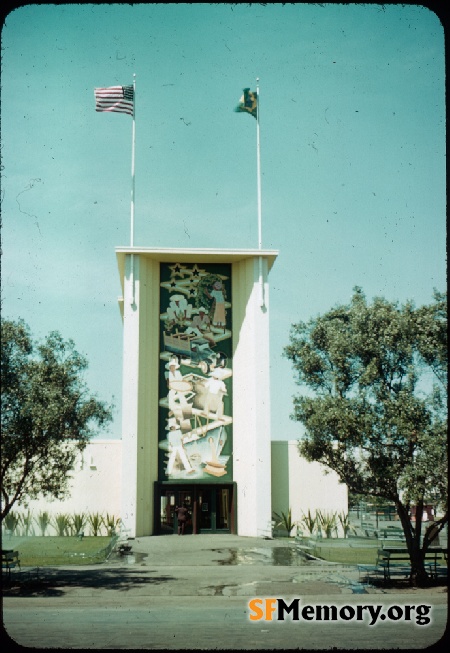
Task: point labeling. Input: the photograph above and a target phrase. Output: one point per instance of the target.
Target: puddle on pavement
(279, 556)
(130, 558)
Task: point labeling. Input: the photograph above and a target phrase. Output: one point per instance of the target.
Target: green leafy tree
(377, 413)
(47, 414)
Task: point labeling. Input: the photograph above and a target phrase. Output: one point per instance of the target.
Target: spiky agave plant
(344, 520)
(78, 522)
(285, 521)
(11, 522)
(96, 521)
(309, 521)
(43, 520)
(112, 523)
(328, 521)
(27, 523)
(62, 524)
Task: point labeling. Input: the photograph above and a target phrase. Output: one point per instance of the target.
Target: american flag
(115, 98)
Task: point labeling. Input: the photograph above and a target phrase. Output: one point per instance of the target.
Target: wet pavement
(283, 556)
(279, 556)
(193, 592)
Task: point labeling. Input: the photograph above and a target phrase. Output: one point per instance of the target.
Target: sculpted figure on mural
(212, 292)
(176, 448)
(201, 326)
(216, 391)
(179, 390)
(178, 311)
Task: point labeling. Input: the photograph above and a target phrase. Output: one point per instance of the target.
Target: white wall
(301, 485)
(95, 486)
(295, 483)
(251, 400)
(140, 392)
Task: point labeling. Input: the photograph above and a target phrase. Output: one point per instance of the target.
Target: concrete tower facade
(196, 389)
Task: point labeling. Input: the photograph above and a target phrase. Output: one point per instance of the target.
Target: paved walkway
(193, 592)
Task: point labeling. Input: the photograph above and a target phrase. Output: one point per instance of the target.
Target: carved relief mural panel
(195, 407)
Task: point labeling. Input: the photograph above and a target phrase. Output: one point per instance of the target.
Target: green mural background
(195, 375)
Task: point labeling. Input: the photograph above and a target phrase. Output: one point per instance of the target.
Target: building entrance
(211, 508)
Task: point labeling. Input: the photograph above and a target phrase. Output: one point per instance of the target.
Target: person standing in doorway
(182, 516)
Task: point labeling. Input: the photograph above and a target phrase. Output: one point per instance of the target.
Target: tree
(47, 414)
(378, 415)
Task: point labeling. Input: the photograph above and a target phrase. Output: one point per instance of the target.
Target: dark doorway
(169, 500)
(211, 508)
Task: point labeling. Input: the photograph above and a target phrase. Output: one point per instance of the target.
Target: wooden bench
(369, 570)
(441, 570)
(396, 560)
(10, 560)
(369, 529)
(392, 533)
(436, 555)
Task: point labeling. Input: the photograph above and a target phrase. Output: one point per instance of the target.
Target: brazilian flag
(248, 103)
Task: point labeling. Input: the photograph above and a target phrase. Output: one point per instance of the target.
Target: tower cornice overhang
(194, 255)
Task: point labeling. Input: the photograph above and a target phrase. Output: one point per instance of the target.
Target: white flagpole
(133, 147)
(132, 160)
(258, 169)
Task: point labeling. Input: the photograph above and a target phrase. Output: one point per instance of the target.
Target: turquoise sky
(352, 115)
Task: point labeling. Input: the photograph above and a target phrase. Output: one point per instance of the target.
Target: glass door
(213, 509)
(167, 508)
(204, 512)
(209, 509)
(223, 509)
(185, 498)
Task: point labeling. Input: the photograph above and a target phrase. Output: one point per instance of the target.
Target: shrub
(43, 521)
(112, 523)
(96, 521)
(309, 521)
(328, 521)
(62, 524)
(11, 521)
(344, 520)
(27, 523)
(284, 520)
(78, 522)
